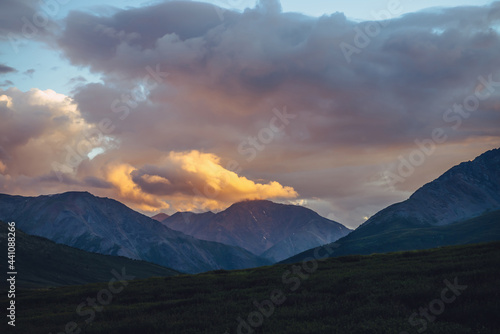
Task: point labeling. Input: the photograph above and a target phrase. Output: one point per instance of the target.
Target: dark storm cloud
(395, 89)
(100, 39)
(6, 69)
(24, 18)
(184, 85)
(12, 13)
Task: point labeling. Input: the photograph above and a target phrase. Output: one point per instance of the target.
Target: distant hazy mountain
(275, 231)
(187, 222)
(160, 217)
(106, 226)
(461, 206)
(43, 263)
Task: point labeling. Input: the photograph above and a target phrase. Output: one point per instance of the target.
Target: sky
(344, 107)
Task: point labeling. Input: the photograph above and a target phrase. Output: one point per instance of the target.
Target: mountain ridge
(475, 185)
(273, 230)
(42, 263)
(468, 192)
(106, 226)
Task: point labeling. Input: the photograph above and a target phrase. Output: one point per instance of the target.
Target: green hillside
(43, 263)
(377, 294)
(402, 235)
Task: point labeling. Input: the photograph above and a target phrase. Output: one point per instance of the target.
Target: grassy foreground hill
(44, 263)
(446, 290)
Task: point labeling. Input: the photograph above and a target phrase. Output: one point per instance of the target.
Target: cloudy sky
(344, 107)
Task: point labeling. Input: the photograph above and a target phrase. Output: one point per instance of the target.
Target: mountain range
(271, 230)
(461, 206)
(106, 226)
(160, 217)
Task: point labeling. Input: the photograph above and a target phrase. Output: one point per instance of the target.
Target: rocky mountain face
(106, 226)
(275, 231)
(461, 206)
(464, 191)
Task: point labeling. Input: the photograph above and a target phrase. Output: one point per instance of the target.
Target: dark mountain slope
(105, 226)
(40, 262)
(275, 231)
(459, 207)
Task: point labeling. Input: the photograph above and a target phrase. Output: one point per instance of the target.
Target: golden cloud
(189, 181)
(120, 176)
(212, 182)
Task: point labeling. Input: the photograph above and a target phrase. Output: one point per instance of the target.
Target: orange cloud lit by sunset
(199, 181)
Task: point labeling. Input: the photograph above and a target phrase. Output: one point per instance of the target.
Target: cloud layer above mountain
(200, 107)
